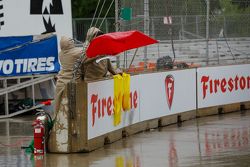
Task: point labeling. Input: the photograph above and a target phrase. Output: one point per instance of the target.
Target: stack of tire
(164, 63)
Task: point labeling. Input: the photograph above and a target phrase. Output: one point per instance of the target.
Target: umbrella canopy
(117, 42)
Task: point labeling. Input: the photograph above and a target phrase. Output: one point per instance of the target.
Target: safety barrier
(157, 99)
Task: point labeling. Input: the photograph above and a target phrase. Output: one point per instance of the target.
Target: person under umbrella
(97, 67)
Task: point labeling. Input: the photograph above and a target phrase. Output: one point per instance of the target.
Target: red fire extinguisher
(39, 137)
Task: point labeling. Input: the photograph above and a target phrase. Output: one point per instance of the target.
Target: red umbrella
(117, 42)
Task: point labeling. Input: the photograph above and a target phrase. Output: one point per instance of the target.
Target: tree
(243, 4)
(235, 6)
(86, 8)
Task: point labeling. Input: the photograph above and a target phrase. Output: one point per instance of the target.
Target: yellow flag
(118, 94)
(119, 161)
(126, 92)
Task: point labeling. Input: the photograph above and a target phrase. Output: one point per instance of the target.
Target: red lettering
(204, 80)
(230, 85)
(216, 85)
(104, 104)
(223, 85)
(248, 82)
(211, 86)
(135, 96)
(236, 82)
(109, 109)
(242, 83)
(93, 101)
(99, 108)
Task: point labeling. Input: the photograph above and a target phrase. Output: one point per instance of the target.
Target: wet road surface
(222, 140)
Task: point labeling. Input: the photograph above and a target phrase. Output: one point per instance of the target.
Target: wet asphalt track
(221, 140)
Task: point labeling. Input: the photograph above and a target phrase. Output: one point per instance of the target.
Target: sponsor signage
(169, 87)
(167, 93)
(101, 107)
(167, 20)
(34, 17)
(10, 42)
(35, 58)
(223, 85)
(152, 96)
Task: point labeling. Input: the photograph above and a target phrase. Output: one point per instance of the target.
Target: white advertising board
(34, 17)
(223, 85)
(100, 107)
(167, 93)
(152, 96)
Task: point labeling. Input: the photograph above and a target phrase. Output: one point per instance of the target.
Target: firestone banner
(223, 85)
(151, 96)
(33, 58)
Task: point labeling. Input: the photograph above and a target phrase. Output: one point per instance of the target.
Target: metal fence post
(197, 25)
(74, 28)
(146, 28)
(117, 26)
(106, 25)
(225, 25)
(33, 92)
(207, 30)
(6, 98)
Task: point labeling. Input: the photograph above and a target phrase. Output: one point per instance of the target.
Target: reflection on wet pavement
(212, 141)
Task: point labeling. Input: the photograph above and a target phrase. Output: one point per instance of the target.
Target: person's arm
(111, 68)
(88, 60)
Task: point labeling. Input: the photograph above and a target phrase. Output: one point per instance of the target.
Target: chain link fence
(195, 34)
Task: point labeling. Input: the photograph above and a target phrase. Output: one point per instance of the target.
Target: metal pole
(146, 28)
(217, 49)
(182, 28)
(207, 30)
(6, 98)
(74, 29)
(197, 25)
(106, 25)
(33, 92)
(117, 27)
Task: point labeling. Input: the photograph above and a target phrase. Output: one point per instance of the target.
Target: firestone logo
(213, 86)
(105, 106)
(169, 88)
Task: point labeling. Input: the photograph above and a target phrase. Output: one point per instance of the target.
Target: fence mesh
(227, 40)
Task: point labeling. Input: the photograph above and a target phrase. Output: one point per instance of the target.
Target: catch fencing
(187, 30)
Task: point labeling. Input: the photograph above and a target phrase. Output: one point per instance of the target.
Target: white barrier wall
(100, 107)
(223, 85)
(33, 17)
(152, 96)
(155, 95)
(167, 93)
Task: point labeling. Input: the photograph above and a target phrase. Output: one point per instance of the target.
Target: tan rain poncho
(60, 136)
(68, 55)
(91, 70)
